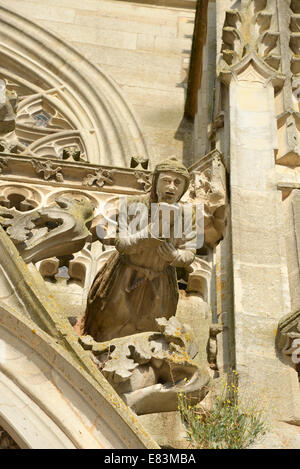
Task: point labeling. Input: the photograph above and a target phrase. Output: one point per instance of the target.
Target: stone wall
(205, 112)
(253, 88)
(145, 48)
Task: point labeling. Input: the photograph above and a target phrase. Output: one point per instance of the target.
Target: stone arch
(49, 402)
(50, 73)
(28, 425)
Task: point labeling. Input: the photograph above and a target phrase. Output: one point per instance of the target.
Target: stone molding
(288, 113)
(73, 174)
(52, 341)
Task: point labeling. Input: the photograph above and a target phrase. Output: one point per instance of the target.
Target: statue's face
(169, 187)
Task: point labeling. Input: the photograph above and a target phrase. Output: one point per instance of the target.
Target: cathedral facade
(192, 102)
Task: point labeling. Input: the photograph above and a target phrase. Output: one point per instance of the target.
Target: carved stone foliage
(139, 160)
(72, 153)
(48, 170)
(266, 33)
(3, 164)
(6, 441)
(7, 147)
(8, 100)
(149, 369)
(251, 30)
(64, 106)
(100, 178)
(58, 230)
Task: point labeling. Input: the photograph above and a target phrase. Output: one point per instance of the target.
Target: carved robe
(134, 287)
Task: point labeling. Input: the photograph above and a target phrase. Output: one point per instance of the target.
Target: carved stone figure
(138, 283)
(130, 325)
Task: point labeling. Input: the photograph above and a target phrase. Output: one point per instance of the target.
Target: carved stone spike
(288, 116)
(99, 178)
(139, 160)
(288, 339)
(144, 180)
(48, 170)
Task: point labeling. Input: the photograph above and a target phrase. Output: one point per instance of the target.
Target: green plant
(227, 424)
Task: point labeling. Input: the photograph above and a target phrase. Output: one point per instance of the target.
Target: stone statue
(138, 283)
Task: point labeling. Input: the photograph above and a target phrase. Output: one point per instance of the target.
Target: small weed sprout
(226, 424)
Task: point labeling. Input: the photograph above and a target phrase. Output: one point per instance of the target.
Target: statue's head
(170, 181)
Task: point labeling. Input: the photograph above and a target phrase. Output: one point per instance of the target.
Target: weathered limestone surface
(42, 376)
(166, 428)
(6, 441)
(261, 292)
(140, 347)
(260, 278)
(201, 137)
(144, 48)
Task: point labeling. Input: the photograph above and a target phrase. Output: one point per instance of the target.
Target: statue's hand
(130, 244)
(167, 251)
